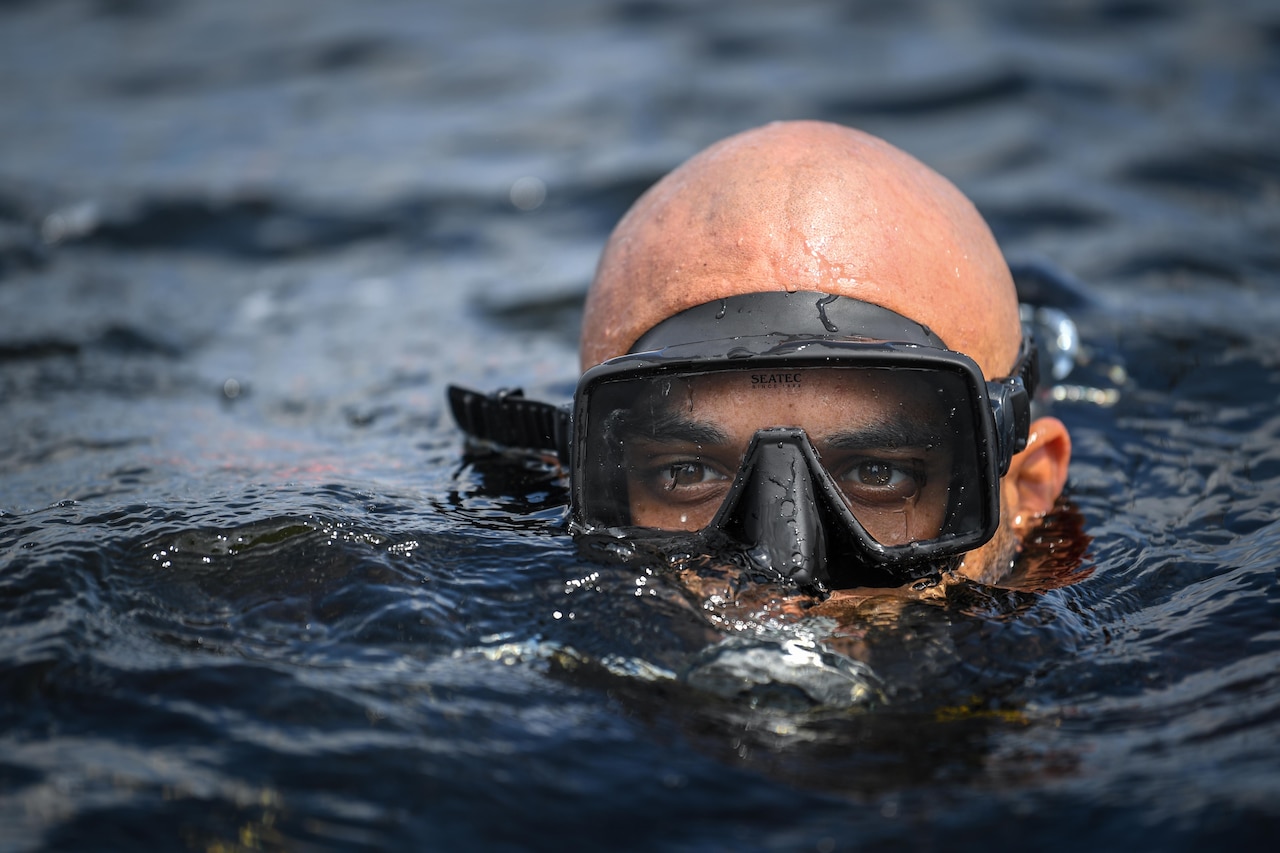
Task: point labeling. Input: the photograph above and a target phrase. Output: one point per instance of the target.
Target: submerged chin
(992, 562)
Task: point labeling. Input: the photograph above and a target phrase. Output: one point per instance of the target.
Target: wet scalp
(805, 206)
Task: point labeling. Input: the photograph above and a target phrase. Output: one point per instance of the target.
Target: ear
(1037, 474)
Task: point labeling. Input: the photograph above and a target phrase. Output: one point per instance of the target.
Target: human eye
(683, 480)
(686, 475)
(871, 479)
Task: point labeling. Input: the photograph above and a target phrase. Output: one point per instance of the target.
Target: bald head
(806, 206)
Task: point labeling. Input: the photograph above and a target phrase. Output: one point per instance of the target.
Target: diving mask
(829, 441)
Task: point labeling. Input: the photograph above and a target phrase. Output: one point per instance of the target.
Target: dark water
(254, 597)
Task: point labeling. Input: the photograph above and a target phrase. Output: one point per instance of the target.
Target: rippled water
(255, 596)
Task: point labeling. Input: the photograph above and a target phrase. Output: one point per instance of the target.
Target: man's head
(808, 206)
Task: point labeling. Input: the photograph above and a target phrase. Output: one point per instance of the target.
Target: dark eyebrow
(664, 424)
(886, 434)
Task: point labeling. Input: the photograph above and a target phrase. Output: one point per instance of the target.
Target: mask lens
(899, 444)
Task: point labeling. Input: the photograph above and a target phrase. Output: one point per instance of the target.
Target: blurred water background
(255, 597)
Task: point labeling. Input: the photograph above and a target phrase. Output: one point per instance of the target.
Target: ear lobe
(1038, 474)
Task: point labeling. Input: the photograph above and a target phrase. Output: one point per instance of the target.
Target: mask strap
(800, 313)
(506, 418)
(1010, 400)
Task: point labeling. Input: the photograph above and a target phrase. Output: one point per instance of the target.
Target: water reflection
(364, 640)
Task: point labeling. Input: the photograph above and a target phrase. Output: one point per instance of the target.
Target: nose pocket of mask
(772, 510)
(786, 516)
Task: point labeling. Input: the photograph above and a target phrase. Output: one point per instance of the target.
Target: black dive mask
(825, 440)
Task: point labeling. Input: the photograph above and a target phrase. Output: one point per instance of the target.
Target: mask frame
(775, 329)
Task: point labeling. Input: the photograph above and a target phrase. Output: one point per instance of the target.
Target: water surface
(257, 597)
